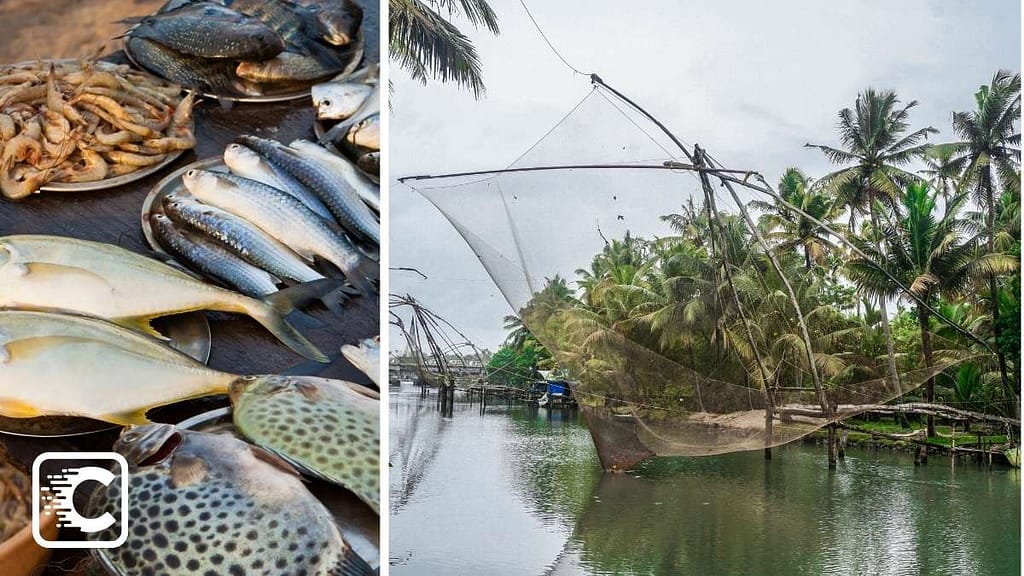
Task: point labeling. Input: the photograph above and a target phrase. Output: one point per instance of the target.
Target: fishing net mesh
(665, 313)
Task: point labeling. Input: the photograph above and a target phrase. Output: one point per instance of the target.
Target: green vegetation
(695, 321)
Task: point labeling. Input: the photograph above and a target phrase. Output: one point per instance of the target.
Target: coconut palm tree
(877, 150)
(988, 156)
(426, 44)
(790, 229)
(943, 171)
(930, 255)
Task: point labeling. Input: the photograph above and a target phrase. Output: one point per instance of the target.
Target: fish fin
(142, 325)
(360, 389)
(272, 458)
(28, 347)
(308, 390)
(37, 269)
(301, 295)
(334, 300)
(187, 470)
(128, 418)
(351, 564)
(12, 408)
(309, 368)
(271, 314)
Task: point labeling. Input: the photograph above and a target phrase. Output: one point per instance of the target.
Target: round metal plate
(107, 182)
(153, 203)
(298, 93)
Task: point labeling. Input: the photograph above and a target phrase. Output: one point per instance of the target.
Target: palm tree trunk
(894, 376)
(1011, 395)
(926, 349)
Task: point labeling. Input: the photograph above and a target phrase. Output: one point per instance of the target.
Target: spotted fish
(328, 428)
(204, 503)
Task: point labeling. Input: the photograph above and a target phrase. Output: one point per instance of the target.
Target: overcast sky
(752, 81)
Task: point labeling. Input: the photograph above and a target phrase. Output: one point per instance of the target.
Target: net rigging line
(550, 45)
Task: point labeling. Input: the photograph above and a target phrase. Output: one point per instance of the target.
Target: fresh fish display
(247, 241)
(238, 48)
(209, 30)
(364, 187)
(210, 502)
(340, 20)
(339, 196)
(59, 364)
(212, 258)
(85, 122)
(248, 164)
(369, 163)
(366, 133)
(339, 100)
(366, 357)
(58, 273)
(285, 218)
(328, 428)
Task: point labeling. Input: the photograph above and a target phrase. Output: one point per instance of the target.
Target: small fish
(329, 428)
(284, 218)
(365, 134)
(366, 357)
(107, 281)
(341, 20)
(339, 100)
(211, 258)
(205, 75)
(248, 164)
(210, 502)
(339, 196)
(369, 163)
(209, 30)
(247, 241)
(367, 190)
(287, 67)
(66, 365)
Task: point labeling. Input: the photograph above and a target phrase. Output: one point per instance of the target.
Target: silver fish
(247, 241)
(283, 217)
(366, 357)
(322, 179)
(367, 190)
(211, 258)
(365, 134)
(200, 501)
(339, 100)
(248, 164)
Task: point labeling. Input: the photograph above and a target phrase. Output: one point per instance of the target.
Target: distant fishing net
(674, 326)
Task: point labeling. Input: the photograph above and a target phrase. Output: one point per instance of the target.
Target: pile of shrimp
(85, 121)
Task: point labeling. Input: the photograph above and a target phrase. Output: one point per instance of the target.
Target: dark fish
(210, 502)
(295, 25)
(210, 30)
(330, 186)
(370, 164)
(211, 258)
(287, 67)
(341, 20)
(205, 75)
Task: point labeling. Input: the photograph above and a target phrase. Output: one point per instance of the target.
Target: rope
(550, 45)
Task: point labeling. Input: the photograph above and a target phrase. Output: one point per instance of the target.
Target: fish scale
(216, 505)
(328, 428)
(210, 30)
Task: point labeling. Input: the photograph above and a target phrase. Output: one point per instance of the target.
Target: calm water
(519, 491)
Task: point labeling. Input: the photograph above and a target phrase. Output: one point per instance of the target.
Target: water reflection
(519, 491)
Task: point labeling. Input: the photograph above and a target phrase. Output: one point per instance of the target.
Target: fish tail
(271, 312)
(351, 564)
(361, 275)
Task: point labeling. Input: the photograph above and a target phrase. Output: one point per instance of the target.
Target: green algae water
(516, 490)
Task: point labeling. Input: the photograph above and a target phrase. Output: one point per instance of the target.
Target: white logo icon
(57, 497)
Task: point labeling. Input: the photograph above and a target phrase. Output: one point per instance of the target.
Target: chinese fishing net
(677, 328)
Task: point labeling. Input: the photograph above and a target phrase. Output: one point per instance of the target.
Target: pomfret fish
(366, 189)
(283, 217)
(339, 100)
(328, 428)
(209, 30)
(211, 258)
(247, 241)
(366, 357)
(103, 280)
(210, 502)
(366, 133)
(66, 365)
(339, 195)
(248, 164)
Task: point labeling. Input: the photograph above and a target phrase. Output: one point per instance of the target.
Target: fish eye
(190, 173)
(325, 103)
(248, 378)
(233, 147)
